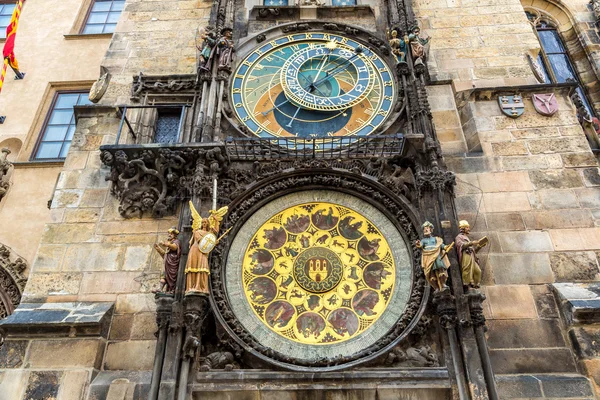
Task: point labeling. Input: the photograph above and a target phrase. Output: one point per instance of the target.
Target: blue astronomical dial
(312, 84)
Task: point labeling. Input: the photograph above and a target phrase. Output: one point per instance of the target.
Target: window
(168, 125)
(276, 2)
(553, 57)
(6, 11)
(343, 2)
(59, 127)
(103, 16)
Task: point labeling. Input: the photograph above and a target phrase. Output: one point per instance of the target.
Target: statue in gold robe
(203, 240)
(467, 255)
(434, 257)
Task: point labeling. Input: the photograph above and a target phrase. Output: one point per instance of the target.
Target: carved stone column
(164, 308)
(5, 166)
(446, 310)
(196, 307)
(475, 299)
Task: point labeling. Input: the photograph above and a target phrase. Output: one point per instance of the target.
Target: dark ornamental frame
(268, 187)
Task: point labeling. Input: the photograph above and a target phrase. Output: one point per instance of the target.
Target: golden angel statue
(204, 239)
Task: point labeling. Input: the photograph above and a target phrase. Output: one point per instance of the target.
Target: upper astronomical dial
(312, 84)
(312, 92)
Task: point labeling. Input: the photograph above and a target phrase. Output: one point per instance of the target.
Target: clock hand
(339, 68)
(265, 113)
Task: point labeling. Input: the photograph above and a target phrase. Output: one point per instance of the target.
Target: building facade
(229, 199)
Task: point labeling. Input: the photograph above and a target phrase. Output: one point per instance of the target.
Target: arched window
(553, 58)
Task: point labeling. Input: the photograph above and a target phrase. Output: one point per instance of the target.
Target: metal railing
(135, 135)
(255, 149)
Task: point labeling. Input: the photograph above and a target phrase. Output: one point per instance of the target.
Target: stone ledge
(136, 384)
(579, 302)
(59, 319)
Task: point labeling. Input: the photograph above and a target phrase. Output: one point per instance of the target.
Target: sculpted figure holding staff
(170, 251)
(467, 255)
(434, 257)
(203, 240)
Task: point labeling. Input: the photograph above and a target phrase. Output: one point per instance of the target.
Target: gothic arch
(12, 280)
(577, 40)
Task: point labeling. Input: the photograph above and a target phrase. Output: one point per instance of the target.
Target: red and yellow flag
(8, 52)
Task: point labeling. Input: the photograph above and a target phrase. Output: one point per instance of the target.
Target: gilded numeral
(295, 47)
(382, 113)
(360, 121)
(237, 91)
(369, 111)
(390, 98)
(387, 83)
(247, 63)
(246, 119)
(273, 43)
(259, 67)
(326, 36)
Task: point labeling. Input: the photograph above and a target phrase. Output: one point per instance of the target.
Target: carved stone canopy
(12, 280)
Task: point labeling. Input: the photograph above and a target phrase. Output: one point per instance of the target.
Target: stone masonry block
(12, 353)
(586, 341)
(544, 301)
(93, 257)
(137, 258)
(43, 385)
(591, 176)
(532, 361)
(134, 303)
(558, 145)
(66, 353)
(41, 285)
(110, 282)
(517, 181)
(13, 383)
(566, 386)
(574, 266)
(120, 328)
(513, 387)
(506, 202)
(555, 179)
(133, 355)
(74, 385)
(558, 219)
(529, 241)
(68, 233)
(558, 199)
(49, 258)
(589, 197)
(576, 239)
(531, 162)
(144, 326)
(586, 159)
(509, 149)
(511, 302)
(521, 268)
(521, 333)
(505, 221)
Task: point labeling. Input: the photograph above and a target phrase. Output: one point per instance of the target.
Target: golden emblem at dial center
(318, 273)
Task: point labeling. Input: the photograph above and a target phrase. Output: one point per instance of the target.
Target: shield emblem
(207, 243)
(545, 104)
(511, 105)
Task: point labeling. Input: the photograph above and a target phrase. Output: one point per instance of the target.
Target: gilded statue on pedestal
(203, 240)
(170, 251)
(467, 255)
(434, 257)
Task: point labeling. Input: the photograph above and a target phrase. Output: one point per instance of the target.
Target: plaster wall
(48, 59)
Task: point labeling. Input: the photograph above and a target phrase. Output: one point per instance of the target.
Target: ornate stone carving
(445, 309)
(421, 356)
(5, 166)
(12, 280)
(161, 84)
(99, 87)
(218, 360)
(434, 179)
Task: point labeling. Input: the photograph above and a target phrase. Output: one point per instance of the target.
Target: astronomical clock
(312, 84)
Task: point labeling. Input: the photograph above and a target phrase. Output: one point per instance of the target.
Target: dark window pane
(562, 67)
(585, 102)
(55, 133)
(65, 150)
(93, 29)
(551, 42)
(61, 117)
(49, 150)
(544, 69)
(167, 128)
(101, 6)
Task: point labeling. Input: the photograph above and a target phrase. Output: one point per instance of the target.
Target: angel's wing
(216, 217)
(196, 218)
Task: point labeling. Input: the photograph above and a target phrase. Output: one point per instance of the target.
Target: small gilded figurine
(170, 251)
(434, 257)
(467, 255)
(204, 239)
(398, 46)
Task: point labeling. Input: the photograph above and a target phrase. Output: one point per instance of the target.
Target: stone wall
(153, 37)
(477, 43)
(532, 186)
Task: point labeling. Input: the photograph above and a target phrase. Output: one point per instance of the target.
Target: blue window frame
(6, 11)
(59, 126)
(276, 2)
(103, 16)
(342, 3)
